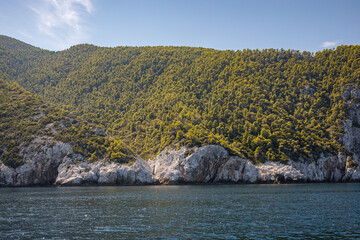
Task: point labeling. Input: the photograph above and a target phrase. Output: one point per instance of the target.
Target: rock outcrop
(42, 158)
(274, 172)
(236, 170)
(330, 168)
(103, 173)
(196, 165)
(208, 164)
(351, 138)
(212, 164)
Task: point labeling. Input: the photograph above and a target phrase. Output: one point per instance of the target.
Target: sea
(264, 211)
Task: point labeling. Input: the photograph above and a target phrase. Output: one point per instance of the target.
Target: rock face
(330, 168)
(212, 164)
(236, 170)
(197, 165)
(103, 173)
(274, 172)
(208, 164)
(41, 165)
(351, 138)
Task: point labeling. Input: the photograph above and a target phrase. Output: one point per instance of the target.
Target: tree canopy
(260, 104)
(25, 117)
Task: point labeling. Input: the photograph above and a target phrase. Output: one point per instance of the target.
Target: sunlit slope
(262, 105)
(25, 119)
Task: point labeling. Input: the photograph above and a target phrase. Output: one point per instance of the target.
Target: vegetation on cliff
(262, 105)
(25, 117)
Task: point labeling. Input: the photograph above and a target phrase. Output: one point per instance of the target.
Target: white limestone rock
(142, 172)
(236, 170)
(250, 172)
(352, 175)
(7, 175)
(278, 172)
(195, 165)
(108, 174)
(166, 166)
(208, 164)
(40, 167)
(103, 173)
(327, 168)
(212, 164)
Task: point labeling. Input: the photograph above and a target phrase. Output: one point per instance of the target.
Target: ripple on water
(298, 211)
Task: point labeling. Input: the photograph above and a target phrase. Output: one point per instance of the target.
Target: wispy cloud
(25, 34)
(328, 44)
(63, 20)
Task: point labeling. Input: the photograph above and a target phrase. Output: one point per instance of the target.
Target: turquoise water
(295, 211)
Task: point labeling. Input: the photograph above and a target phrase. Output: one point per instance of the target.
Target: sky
(305, 25)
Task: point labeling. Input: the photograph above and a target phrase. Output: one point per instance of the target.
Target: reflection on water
(294, 211)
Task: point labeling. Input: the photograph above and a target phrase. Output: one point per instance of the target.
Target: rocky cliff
(42, 159)
(213, 164)
(48, 161)
(103, 173)
(208, 164)
(351, 138)
(36, 138)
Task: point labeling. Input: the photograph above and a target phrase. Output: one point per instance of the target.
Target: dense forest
(270, 104)
(25, 117)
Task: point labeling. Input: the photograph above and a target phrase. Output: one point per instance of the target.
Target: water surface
(295, 211)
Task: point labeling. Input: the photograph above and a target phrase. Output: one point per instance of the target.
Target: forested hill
(261, 104)
(26, 120)
(14, 44)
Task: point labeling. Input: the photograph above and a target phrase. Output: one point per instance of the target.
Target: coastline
(207, 165)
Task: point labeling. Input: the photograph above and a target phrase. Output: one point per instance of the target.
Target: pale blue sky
(309, 25)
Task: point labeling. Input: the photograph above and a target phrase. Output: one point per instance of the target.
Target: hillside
(29, 126)
(260, 105)
(14, 44)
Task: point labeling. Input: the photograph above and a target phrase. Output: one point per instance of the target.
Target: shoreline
(182, 184)
(207, 165)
